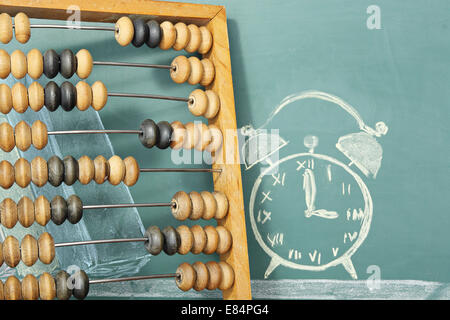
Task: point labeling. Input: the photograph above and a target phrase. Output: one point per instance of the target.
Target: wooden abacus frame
(214, 18)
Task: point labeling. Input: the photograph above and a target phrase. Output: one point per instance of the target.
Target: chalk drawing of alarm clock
(310, 211)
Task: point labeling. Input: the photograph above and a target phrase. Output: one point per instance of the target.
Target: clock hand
(325, 214)
(309, 186)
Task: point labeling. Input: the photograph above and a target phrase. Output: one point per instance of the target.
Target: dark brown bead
(155, 241)
(58, 210)
(172, 240)
(70, 170)
(55, 171)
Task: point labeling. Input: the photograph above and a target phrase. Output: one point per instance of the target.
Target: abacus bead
(30, 288)
(74, 209)
(70, 170)
(149, 136)
(19, 97)
(225, 240)
(124, 31)
(6, 29)
(13, 289)
(213, 104)
(52, 96)
(168, 35)
(47, 287)
(205, 136)
(55, 171)
(215, 275)
(116, 170)
(195, 40)
(140, 32)
(29, 250)
(196, 71)
(22, 27)
(182, 69)
(68, 96)
(22, 172)
(212, 240)
(155, 241)
(178, 135)
(84, 63)
(42, 211)
(222, 205)
(7, 140)
(99, 95)
(154, 34)
(68, 63)
(165, 133)
(46, 246)
(11, 251)
(25, 211)
(86, 170)
(84, 95)
(7, 177)
(39, 171)
(171, 240)
(208, 72)
(58, 208)
(5, 64)
(192, 136)
(81, 285)
(186, 276)
(202, 276)
(36, 96)
(199, 239)
(183, 206)
(198, 205)
(8, 210)
(198, 102)
(227, 280)
(210, 205)
(62, 289)
(186, 239)
(1, 263)
(216, 138)
(131, 171)
(35, 62)
(39, 136)
(206, 43)
(22, 134)
(5, 99)
(18, 64)
(183, 36)
(101, 169)
(51, 63)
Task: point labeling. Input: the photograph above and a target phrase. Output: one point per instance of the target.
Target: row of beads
(23, 136)
(193, 70)
(196, 205)
(199, 276)
(182, 240)
(188, 37)
(196, 135)
(21, 27)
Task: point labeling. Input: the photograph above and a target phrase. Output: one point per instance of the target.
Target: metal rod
(130, 64)
(128, 205)
(148, 96)
(93, 132)
(81, 243)
(179, 170)
(155, 276)
(63, 26)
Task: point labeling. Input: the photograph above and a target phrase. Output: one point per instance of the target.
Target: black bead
(51, 63)
(155, 241)
(80, 285)
(68, 63)
(68, 96)
(154, 34)
(74, 209)
(62, 290)
(150, 133)
(52, 96)
(140, 32)
(70, 170)
(58, 208)
(55, 171)
(172, 240)
(165, 133)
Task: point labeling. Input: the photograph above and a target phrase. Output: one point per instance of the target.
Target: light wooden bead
(84, 95)
(39, 171)
(29, 250)
(7, 140)
(202, 276)
(5, 99)
(9, 216)
(36, 96)
(198, 102)
(178, 135)
(215, 275)
(6, 28)
(25, 211)
(7, 177)
(5, 64)
(222, 205)
(182, 69)
(116, 170)
(207, 40)
(198, 205)
(42, 212)
(212, 240)
(205, 136)
(183, 36)
(13, 289)
(192, 136)
(22, 134)
(1, 263)
(210, 205)
(19, 65)
(86, 170)
(46, 246)
(195, 40)
(30, 288)
(182, 206)
(101, 169)
(99, 95)
(2, 291)
(186, 276)
(39, 136)
(213, 104)
(84, 63)
(216, 138)
(124, 31)
(22, 27)
(131, 171)
(227, 276)
(11, 251)
(225, 240)
(196, 71)
(47, 287)
(187, 239)
(199, 239)
(208, 72)
(22, 172)
(35, 62)
(168, 35)
(19, 97)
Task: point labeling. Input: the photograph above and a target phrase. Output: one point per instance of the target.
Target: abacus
(151, 25)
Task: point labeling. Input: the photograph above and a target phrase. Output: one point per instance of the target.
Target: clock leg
(275, 262)
(348, 265)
